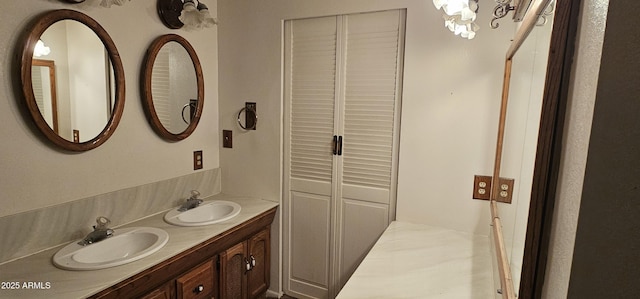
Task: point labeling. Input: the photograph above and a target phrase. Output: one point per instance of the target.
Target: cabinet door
(233, 269)
(163, 292)
(258, 277)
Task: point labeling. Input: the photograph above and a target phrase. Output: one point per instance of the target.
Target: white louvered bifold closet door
(370, 130)
(161, 88)
(311, 94)
(342, 87)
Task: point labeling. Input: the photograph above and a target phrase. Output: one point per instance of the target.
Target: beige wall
(36, 175)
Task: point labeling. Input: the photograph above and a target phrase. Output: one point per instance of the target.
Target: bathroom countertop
(421, 261)
(35, 276)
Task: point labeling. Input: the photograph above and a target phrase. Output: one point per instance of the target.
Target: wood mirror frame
(40, 25)
(147, 95)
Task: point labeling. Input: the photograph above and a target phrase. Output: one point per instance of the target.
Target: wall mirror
(523, 112)
(529, 139)
(172, 87)
(72, 80)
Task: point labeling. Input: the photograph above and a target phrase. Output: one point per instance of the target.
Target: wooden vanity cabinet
(244, 268)
(216, 268)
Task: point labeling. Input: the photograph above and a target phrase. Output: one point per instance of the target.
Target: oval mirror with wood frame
(72, 80)
(172, 87)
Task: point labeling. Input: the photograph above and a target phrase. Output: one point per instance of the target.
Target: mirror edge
(147, 97)
(549, 148)
(42, 22)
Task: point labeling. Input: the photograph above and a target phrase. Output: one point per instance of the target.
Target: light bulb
(108, 3)
(40, 49)
(190, 16)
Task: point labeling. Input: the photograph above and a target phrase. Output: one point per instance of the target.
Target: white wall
(55, 38)
(35, 174)
(450, 104)
(87, 81)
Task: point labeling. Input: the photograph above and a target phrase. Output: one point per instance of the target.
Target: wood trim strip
(504, 268)
(528, 22)
(495, 180)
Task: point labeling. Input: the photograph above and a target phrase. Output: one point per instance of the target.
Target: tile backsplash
(32, 231)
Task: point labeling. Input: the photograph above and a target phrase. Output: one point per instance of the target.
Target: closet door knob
(335, 145)
(339, 145)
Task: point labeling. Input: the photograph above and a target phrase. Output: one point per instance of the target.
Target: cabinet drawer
(197, 283)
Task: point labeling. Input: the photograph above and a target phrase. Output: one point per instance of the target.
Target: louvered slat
(38, 91)
(313, 71)
(370, 92)
(160, 88)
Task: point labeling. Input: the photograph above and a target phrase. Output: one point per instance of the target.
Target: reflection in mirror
(528, 73)
(525, 74)
(172, 88)
(74, 89)
(43, 75)
(83, 75)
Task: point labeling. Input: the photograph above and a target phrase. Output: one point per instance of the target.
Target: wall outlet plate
(76, 136)
(197, 160)
(482, 188)
(505, 190)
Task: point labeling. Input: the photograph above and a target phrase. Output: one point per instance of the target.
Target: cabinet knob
(247, 264)
(198, 289)
(253, 261)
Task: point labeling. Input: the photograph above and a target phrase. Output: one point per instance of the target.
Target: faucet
(192, 202)
(99, 233)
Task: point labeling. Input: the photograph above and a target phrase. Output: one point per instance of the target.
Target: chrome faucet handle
(194, 194)
(194, 198)
(191, 202)
(99, 233)
(102, 223)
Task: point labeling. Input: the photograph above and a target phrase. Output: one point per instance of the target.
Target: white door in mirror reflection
(174, 87)
(83, 79)
(43, 75)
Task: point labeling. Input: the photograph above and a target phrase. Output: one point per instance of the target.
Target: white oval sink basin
(125, 246)
(209, 212)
